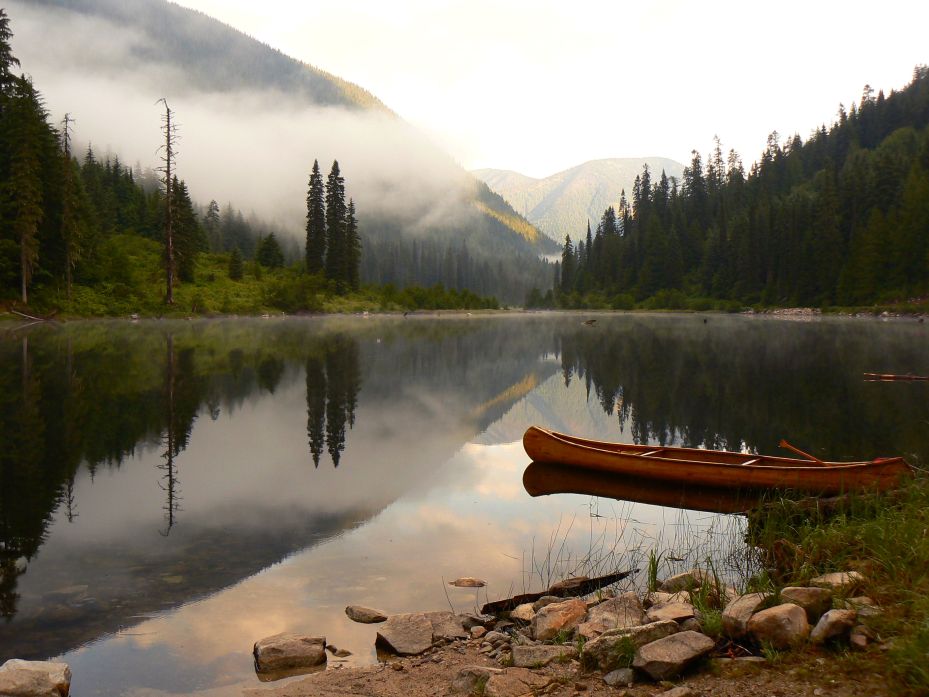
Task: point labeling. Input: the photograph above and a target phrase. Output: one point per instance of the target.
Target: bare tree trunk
(168, 159)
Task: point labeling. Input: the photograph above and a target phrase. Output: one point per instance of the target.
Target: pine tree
(315, 222)
(7, 60)
(236, 270)
(353, 248)
(336, 247)
(212, 227)
(269, 253)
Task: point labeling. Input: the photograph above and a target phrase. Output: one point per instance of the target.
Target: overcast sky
(539, 86)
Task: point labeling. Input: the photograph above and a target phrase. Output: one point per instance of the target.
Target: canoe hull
(713, 468)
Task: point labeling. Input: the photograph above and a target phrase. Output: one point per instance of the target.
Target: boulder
(541, 655)
(864, 606)
(546, 600)
(832, 625)
(477, 632)
(284, 651)
(524, 612)
(670, 611)
(738, 612)
(558, 617)
(20, 678)
(667, 658)
(619, 677)
(839, 581)
(815, 601)
(365, 615)
(470, 678)
(515, 682)
(782, 626)
(406, 635)
(687, 581)
(614, 647)
(691, 624)
(616, 613)
(446, 625)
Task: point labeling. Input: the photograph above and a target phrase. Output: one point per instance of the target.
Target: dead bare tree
(168, 154)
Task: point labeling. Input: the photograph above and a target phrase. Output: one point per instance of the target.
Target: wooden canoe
(713, 468)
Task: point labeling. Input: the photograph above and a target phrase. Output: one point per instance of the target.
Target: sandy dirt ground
(432, 675)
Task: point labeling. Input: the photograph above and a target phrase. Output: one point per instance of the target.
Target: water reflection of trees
(732, 383)
(92, 397)
(333, 380)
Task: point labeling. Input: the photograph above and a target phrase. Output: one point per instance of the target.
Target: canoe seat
(652, 452)
(751, 462)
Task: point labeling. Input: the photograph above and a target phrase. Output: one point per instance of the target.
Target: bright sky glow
(539, 86)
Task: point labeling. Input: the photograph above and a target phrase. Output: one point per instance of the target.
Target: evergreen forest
(839, 220)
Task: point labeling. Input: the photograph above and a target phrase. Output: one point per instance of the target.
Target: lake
(171, 492)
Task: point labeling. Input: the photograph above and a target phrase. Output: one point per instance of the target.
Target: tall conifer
(315, 222)
(336, 247)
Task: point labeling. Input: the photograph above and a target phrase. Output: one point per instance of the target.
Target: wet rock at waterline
(365, 615)
(285, 651)
(406, 635)
(782, 626)
(558, 617)
(20, 678)
(467, 582)
(687, 581)
(667, 658)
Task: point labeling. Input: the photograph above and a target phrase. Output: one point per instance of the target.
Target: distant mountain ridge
(561, 204)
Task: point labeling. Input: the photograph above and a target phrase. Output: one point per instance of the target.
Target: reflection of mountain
(178, 506)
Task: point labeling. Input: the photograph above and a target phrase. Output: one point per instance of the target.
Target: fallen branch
(882, 377)
(35, 319)
(570, 587)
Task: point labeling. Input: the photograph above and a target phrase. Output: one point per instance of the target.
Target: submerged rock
(284, 651)
(365, 615)
(20, 678)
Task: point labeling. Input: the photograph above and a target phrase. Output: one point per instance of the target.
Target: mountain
(562, 203)
(252, 121)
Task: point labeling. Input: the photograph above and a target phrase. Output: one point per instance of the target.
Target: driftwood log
(887, 377)
(570, 587)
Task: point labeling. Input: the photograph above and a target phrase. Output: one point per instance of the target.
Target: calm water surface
(172, 492)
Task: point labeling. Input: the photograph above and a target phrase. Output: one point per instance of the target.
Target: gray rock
(814, 600)
(470, 678)
(667, 658)
(495, 637)
(619, 677)
(545, 600)
(737, 613)
(864, 606)
(523, 612)
(406, 635)
(542, 655)
(446, 625)
(616, 613)
(860, 637)
(686, 581)
(515, 682)
(609, 650)
(782, 626)
(691, 624)
(670, 611)
(20, 678)
(839, 581)
(558, 617)
(679, 691)
(283, 651)
(365, 615)
(474, 620)
(832, 625)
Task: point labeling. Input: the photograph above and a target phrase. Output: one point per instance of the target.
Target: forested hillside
(842, 218)
(252, 121)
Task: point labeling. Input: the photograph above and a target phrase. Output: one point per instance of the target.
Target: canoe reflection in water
(541, 479)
